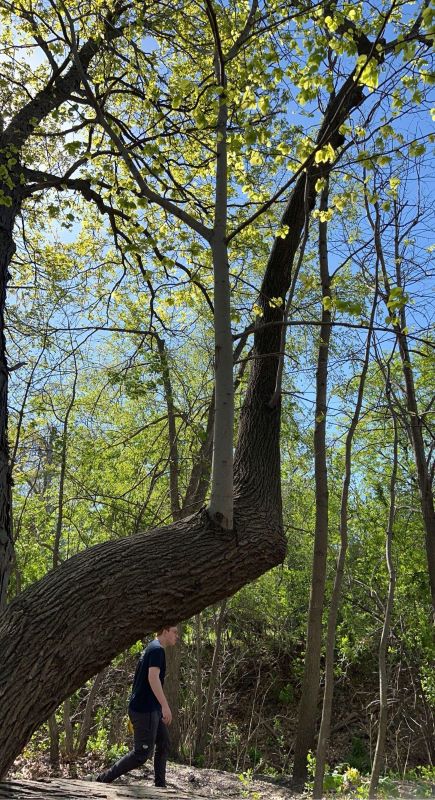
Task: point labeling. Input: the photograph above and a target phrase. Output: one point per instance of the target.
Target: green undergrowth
(348, 782)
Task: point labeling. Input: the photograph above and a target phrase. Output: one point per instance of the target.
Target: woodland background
(109, 336)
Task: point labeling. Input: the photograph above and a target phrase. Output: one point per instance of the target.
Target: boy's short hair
(165, 627)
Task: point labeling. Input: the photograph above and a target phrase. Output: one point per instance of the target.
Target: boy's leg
(161, 754)
(145, 731)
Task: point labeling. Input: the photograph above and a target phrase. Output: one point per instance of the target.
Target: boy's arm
(157, 689)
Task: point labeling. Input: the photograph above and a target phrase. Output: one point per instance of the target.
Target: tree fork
(65, 628)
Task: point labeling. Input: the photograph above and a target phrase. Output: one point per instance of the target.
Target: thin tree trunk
(54, 742)
(199, 480)
(414, 424)
(383, 673)
(198, 677)
(311, 677)
(203, 729)
(338, 580)
(172, 427)
(7, 249)
(53, 732)
(172, 692)
(69, 733)
(85, 727)
(63, 462)
(221, 497)
(54, 729)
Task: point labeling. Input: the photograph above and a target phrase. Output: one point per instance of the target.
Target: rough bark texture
(54, 742)
(67, 626)
(61, 789)
(172, 692)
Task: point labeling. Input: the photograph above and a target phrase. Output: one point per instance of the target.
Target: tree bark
(417, 441)
(198, 677)
(172, 692)
(7, 249)
(310, 681)
(63, 629)
(68, 728)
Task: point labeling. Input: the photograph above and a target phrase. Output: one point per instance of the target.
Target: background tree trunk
(7, 249)
(383, 672)
(414, 422)
(310, 681)
(172, 692)
(203, 729)
(54, 742)
(325, 724)
(85, 727)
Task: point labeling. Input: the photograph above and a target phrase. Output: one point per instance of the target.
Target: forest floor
(213, 783)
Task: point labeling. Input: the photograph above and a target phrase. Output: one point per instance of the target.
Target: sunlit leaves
(367, 72)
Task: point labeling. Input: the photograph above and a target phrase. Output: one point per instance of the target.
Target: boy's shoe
(93, 778)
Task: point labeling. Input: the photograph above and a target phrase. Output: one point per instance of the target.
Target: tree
(199, 560)
(395, 300)
(310, 682)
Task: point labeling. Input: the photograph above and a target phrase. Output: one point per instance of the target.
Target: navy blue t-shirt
(142, 696)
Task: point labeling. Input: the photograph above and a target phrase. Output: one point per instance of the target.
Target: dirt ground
(199, 782)
(192, 780)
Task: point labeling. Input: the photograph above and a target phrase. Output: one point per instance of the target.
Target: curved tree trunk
(68, 626)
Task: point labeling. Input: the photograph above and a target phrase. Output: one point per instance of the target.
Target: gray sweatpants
(149, 732)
